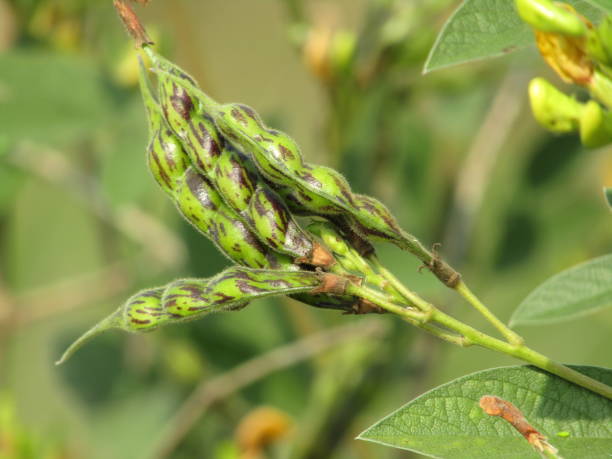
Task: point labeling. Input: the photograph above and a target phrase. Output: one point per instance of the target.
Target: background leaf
(487, 28)
(608, 196)
(579, 290)
(605, 5)
(52, 99)
(447, 422)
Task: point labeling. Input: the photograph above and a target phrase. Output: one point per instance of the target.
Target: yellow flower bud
(595, 125)
(567, 55)
(553, 109)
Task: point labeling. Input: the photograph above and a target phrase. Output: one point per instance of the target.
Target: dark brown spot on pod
(140, 321)
(181, 102)
(238, 116)
(285, 152)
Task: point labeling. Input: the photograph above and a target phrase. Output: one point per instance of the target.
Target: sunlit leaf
(480, 29)
(447, 421)
(577, 291)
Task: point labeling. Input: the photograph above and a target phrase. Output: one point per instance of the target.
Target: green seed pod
(318, 190)
(236, 179)
(347, 303)
(595, 125)
(196, 198)
(553, 109)
(199, 202)
(189, 299)
(547, 16)
(165, 156)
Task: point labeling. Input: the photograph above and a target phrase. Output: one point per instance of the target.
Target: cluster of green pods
(197, 199)
(306, 188)
(212, 202)
(236, 179)
(262, 176)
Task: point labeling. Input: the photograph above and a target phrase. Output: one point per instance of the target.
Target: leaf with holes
(447, 422)
(479, 29)
(577, 291)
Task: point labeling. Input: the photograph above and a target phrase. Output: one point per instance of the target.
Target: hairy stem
(472, 336)
(462, 289)
(510, 335)
(417, 318)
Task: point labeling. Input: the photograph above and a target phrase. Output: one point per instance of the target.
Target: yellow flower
(567, 55)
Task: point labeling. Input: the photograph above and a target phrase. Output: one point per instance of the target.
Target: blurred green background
(455, 154)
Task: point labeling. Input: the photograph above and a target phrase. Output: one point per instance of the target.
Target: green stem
(408, 294)
(462, 289)
(469, 336)
(416, 318)
(510, 335)
(521, 352)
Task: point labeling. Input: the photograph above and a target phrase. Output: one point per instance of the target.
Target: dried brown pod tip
(495, 406)
(132, 23)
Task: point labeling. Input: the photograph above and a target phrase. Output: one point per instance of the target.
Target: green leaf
(580, 290)
(479, 29)
(50, 98)
(189, 299)
(447, 422)
(608, 196)
(605, 5)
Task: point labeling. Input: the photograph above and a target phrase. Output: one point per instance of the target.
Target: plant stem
(416, 318)
(521, 352)
(462, 289)
(408, 294)
(510, 335)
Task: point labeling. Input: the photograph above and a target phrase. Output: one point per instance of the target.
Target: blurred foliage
(455, 154)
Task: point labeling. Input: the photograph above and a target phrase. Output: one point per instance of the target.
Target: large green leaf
(447, 421)
(486, 28)
(579, 290)
(608, 196)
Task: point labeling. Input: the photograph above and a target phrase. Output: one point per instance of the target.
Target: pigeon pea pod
(197, 199)
(318, 189)
(200, 204)
(236, 178)
(190, 299)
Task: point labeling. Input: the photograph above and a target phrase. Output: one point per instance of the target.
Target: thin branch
(211, 391)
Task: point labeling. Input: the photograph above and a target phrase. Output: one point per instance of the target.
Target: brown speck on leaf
(132, 23)
(495, 406)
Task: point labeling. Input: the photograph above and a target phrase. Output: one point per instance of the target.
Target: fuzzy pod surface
(234, 176)
(190, 299)
(197, 199)
(318, 190)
